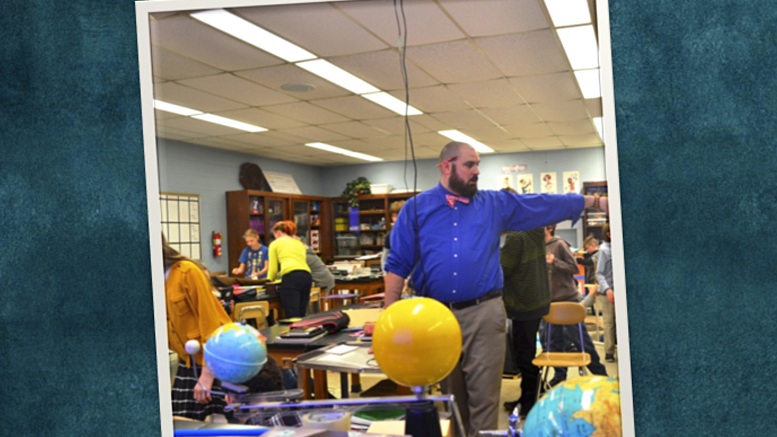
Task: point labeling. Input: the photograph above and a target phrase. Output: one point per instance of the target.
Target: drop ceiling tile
(361, 146)
(433, 99)
(306, 112)
(509, 146)
(581, 140)
(431, 123)
(209, 142)
(453, 62)
(426, 23)
(585, 146)
(548, 87)
(201, 127)
(512, 115)
(545, 143)
(287, 137)
(171, 66)
(354, 129)
(395, 125)
(194, 40)
(318, 28)
(164, 115)
(496, 17)
(594, 106)
(260, 139)
(529, 130)
(355, 107)
(382, 69)
(427, 153)
(488, 135)
(172, 92)
(470, 119)
(313, 134)
(525, 54)
(576, 127)
(172, 135)
(275, 76)
(389, 142)
(561, 111)
(259, 117)
(238, 89)
(431, 140)
(490, 94)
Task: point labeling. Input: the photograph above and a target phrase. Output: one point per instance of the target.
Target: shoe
(610, 358)
(554, 382)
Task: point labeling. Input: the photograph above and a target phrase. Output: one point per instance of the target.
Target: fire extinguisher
(216, 243)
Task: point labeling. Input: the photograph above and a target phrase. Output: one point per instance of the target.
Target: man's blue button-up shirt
(453, 253)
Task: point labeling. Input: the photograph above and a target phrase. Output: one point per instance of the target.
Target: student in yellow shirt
(288, 255)
(193, 313)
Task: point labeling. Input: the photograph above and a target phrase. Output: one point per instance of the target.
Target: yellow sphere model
(417, 342)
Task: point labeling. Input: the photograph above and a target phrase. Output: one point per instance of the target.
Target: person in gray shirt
(604, 277)
(322, 277)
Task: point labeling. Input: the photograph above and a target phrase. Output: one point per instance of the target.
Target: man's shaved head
(453, 149)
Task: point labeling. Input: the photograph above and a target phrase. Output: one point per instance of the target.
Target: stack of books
(301, 335)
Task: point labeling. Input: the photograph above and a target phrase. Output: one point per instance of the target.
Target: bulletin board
(181, 222)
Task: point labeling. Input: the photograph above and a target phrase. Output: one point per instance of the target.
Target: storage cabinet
(594, 220)
(261, 210)
(362, 232)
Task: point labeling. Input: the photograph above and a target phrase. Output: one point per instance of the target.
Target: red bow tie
(452, 200)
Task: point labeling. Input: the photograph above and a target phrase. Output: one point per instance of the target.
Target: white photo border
(143, 11)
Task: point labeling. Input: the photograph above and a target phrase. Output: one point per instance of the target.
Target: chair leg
(541, 382)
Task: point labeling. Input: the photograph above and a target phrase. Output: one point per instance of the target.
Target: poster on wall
(548, 181)
(282, 182)
(571, 182)
(505, 181)
(525, 183)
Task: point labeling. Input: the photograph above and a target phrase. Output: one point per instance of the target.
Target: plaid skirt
(184, 404)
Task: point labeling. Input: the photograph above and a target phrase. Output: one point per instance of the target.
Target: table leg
(356, 383)
(303, 382)
(343, 385)
(320, 384)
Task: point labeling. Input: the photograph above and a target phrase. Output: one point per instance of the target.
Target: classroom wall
(588, 161)
(210, 173)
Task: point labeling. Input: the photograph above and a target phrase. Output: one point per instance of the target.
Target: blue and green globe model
(234, 353)
(580, 407)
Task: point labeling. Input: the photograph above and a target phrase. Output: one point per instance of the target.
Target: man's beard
(463, 188)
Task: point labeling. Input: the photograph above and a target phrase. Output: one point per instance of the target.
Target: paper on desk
(366, 257)
(341, 349)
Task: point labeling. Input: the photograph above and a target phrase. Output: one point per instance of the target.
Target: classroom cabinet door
(301, 212)
(276, 210)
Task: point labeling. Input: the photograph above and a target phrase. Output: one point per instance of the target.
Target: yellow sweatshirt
(290, 254)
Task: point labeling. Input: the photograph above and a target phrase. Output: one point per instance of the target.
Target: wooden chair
(562, 313)
(314, 306)
(256, 311)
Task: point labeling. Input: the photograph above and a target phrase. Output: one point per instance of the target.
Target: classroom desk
(359, 287)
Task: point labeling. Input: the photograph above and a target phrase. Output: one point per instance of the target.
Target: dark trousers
(524, 350)
(566, 338)
(295, 293)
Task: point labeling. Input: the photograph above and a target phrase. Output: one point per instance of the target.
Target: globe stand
(422, 418)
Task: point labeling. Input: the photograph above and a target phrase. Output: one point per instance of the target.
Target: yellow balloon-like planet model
(417, 342)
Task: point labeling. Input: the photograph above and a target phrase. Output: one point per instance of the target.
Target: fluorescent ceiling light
(253, 34)
(341, 151)
(229, 122)
(589, 83)
(458, 136)
(568, 12)
(175, 109)
(580, 45)
(390, 102)
(599, 127)
(338, 76)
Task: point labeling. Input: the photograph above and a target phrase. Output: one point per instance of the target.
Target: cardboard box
(380, 188)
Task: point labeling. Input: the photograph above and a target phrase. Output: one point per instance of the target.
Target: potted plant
(355, 188)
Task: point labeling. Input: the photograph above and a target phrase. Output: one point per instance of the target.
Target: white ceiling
(493, 69)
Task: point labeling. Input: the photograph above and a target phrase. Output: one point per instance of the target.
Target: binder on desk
(298, 340)
(306, 332)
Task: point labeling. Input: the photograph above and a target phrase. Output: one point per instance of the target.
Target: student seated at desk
(253, 259)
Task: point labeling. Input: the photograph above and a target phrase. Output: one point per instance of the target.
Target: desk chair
(562, 313)
(256, 311)
(314, 306)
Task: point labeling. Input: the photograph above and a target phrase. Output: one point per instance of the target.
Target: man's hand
(610, 296)
(549, 258)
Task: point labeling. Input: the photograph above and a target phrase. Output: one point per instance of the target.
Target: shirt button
(455, 255)
(454, 273)
(454, 291)
(455, 239)
(455, 224)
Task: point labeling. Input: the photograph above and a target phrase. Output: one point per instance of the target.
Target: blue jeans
(566, 338)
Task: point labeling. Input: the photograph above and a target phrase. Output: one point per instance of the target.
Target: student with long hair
(287, 257)
(193, 313)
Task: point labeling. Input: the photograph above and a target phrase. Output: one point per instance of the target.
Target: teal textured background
(695, 90)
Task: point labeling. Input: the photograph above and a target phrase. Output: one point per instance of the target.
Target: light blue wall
(589, 162)
(210, 173)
